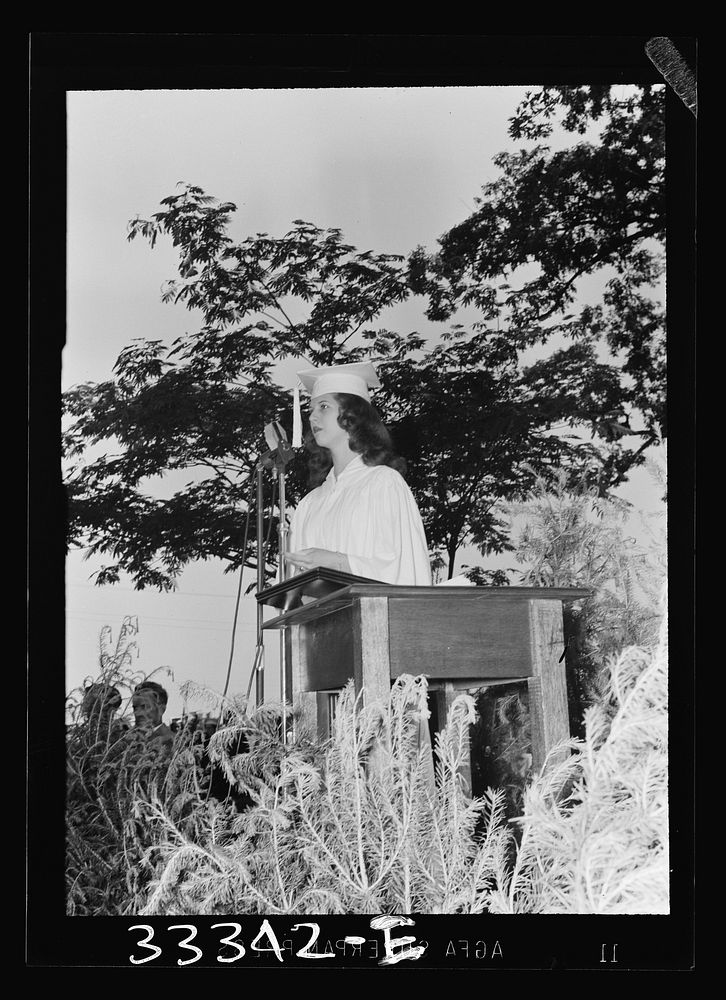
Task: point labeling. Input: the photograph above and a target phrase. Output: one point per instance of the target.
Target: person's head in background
(100, 702)
(149, 703)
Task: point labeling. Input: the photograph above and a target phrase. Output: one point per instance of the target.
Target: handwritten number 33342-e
(396, 949)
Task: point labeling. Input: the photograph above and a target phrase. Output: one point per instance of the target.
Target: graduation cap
(355, 379)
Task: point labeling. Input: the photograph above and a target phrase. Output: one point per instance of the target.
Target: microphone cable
(234, 622)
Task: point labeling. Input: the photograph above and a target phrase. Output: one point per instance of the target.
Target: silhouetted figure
(100, 703)
(219, 785)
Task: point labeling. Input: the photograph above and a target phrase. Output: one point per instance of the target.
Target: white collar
(355, 463)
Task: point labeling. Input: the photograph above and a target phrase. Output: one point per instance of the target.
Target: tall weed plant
(571, 537)
(602, 846)
(111, 770)
(365, 827)
(369, 822)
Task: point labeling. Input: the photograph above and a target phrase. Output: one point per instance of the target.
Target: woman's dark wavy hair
(367, 434)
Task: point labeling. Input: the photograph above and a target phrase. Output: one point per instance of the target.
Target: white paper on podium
(457, 581)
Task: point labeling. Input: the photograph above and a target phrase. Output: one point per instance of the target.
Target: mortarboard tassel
(296, 420)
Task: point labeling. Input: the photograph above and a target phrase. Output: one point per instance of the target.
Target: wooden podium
(341, 627)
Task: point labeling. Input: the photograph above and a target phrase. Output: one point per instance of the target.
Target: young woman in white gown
(361, 516)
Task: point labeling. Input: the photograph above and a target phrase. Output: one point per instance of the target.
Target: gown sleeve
(293, 532)
(388, 541)
(295, 539)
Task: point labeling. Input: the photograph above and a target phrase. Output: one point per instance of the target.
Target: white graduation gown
(369, 514)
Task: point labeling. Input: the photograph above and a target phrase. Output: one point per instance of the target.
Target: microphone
(275, 434)
(280, 452)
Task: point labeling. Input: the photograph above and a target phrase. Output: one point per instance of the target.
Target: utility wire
(215, 624)
(174, 593)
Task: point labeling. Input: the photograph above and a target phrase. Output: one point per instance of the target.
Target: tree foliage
(477, 430)
(473, 413)
(552, 218)
(200, 404)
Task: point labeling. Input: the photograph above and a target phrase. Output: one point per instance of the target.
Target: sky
(392, 168)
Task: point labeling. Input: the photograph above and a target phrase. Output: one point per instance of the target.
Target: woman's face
(324, 411)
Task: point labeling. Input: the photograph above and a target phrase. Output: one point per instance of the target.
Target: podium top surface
(323, 590)
(315, 583)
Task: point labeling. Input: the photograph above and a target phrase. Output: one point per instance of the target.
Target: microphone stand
(282, 534)
(260, 651)
(276, 458)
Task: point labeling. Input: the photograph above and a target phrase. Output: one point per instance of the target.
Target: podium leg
(371, 655)
(548, 685)
(371, 660)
